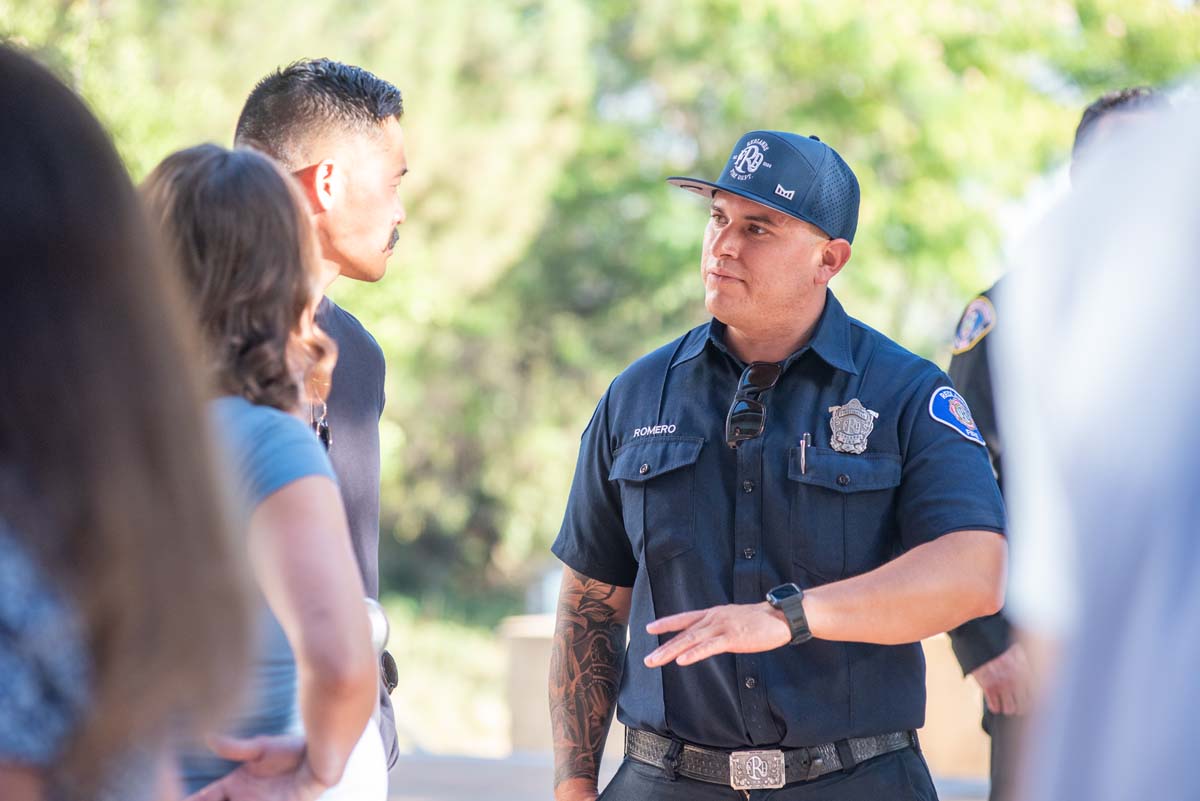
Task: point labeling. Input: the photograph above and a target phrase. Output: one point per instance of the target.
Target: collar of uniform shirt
(830, 341)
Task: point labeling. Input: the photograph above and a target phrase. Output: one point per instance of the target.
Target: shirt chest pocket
(841, 511)
(658, 485)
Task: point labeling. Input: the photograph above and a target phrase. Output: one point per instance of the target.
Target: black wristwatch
(789, 599)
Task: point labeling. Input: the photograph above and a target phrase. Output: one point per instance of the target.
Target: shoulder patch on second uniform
(977, 320)
(948, 408)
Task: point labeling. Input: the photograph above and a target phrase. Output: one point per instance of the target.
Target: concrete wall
(953, 742)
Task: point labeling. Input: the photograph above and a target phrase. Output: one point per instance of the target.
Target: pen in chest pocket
(805, 443)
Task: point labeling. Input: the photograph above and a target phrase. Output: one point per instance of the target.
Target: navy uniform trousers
(898, 776)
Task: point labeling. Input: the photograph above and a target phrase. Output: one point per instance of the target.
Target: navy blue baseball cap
(798, 175)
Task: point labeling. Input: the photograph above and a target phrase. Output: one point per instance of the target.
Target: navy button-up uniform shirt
(662, 504)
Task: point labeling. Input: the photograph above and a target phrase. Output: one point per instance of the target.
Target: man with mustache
(336, 127)
(780, 504)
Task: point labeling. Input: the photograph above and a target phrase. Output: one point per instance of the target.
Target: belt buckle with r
(756, 770)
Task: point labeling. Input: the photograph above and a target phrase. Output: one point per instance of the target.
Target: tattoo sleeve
(585, 672)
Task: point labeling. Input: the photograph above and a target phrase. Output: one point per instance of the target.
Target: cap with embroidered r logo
(798, 175)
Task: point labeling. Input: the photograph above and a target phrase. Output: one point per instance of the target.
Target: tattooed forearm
(585, 672)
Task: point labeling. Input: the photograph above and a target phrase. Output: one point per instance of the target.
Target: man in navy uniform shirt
(780, 504)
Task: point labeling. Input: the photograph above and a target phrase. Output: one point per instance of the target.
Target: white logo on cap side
(790, 194)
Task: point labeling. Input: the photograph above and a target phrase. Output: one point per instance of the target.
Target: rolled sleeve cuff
(979, 641)
(586, 565)
(921, 534)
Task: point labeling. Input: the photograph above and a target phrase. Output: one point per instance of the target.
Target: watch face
(784, 591)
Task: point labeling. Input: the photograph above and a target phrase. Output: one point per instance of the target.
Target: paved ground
(527, 777)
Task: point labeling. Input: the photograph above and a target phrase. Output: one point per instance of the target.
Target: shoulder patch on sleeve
(977, 320)
(948, 408)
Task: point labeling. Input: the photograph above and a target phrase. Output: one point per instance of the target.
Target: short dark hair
(1133, 98)
(309, 96)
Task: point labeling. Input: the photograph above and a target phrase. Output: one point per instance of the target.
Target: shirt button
(747, 486)
(843, 480)
(751, 682)
(749, 553)
(644, 469)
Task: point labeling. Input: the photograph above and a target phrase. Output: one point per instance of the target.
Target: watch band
(792, 606)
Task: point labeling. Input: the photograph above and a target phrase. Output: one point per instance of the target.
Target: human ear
(322, 184)
(834, 256)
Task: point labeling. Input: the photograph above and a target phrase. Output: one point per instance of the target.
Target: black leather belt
(759, 769)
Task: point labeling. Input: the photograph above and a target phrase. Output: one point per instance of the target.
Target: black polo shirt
(662, 504)
(354, 406)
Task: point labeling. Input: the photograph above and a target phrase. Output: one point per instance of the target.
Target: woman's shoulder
(271, 448)
(42, 658)
(32, 605)
(243, 418)
(250, 426)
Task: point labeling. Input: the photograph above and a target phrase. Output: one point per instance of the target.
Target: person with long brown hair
(237, 229)
(122, 607)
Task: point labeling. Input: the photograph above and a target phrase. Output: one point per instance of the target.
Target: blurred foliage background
(544, 252)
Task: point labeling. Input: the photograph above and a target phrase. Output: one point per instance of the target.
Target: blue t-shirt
(866, 453)
(266, 450)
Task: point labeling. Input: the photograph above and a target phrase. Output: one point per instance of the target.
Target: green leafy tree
(946, 110)
(543, 251)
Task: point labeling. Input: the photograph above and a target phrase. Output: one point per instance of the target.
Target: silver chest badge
(851, 424)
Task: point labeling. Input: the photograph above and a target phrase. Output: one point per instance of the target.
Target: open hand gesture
(732, 629)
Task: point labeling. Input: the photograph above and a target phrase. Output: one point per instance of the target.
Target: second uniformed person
(780, 504)
(985, 648)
